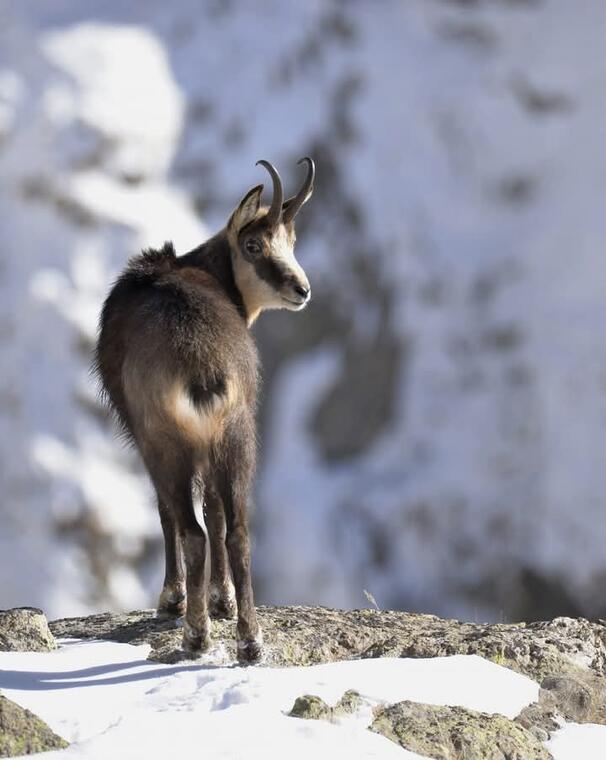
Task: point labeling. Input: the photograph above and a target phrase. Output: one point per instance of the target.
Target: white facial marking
(257, 293)
(282, 252)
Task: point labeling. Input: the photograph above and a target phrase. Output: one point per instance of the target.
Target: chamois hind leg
(173, 478)
(172, 597)
(222, 600)
(234, 471)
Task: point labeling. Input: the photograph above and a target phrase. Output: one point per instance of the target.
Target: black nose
(301, 290)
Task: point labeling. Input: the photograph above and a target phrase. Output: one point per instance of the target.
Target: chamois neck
(214, 257)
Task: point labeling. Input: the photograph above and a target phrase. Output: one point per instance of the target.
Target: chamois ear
(247, 208)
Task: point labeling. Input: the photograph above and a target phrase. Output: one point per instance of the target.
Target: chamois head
(262, 247)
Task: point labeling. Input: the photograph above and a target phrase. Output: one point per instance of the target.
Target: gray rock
(578, 698)
(23, 733)
(349, 703)
(311, 707)
(454, 733)
(25, 629)
(540, 733)
(540, 719)
(312, 635)
(438, 732)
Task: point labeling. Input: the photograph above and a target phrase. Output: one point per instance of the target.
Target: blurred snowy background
(433, 427)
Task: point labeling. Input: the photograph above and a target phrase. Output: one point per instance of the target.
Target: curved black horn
(275, 210)
(295, 203)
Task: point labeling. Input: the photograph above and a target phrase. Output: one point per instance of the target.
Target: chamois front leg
(172, 598)
(234, 479)
(222, 600)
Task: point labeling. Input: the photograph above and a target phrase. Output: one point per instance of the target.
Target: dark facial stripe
(268, 270)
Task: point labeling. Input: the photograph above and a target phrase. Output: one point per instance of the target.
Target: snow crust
(107, 700)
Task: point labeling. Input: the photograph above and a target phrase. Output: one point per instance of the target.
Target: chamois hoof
(250, 651)
(222, 604)
(195, 641)
(172, 604)
(173, 610)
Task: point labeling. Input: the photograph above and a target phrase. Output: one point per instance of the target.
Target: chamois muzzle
(275, 210)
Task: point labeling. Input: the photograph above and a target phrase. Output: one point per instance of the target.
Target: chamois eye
(253, 246)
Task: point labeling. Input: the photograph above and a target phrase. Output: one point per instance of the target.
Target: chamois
(179, 368)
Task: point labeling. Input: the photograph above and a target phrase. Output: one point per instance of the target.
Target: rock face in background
(432, 427)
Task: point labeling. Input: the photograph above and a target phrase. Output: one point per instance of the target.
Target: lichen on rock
(312, 635)
(25, 629)
(311, 707)
(23, 733)
(455, 733)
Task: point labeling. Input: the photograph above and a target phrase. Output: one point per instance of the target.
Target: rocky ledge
(566, 656)
(312, 635)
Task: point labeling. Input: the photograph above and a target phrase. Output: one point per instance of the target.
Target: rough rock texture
(25, 629)
(454, 733)
(22, 733)
(567, 656)
(578, 698)
(311, 707)
(310, 635)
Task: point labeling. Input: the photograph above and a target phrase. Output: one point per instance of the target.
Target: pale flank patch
(199, 424)
(168, 406)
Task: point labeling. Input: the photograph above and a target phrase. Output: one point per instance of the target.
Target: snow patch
(576, 741)
(108, 700)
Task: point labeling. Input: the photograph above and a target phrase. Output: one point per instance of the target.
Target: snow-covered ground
(576, 741)
(109, 701)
